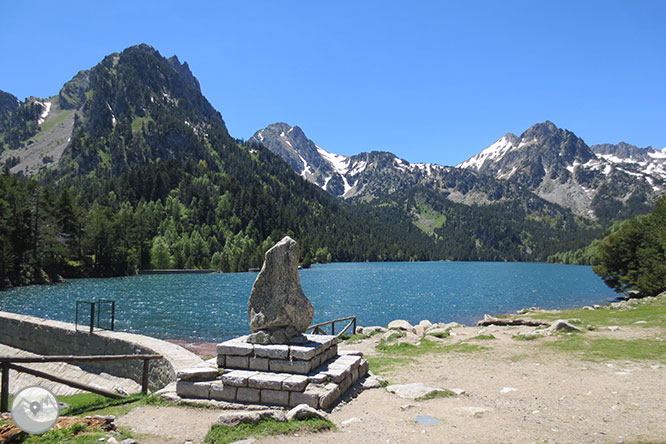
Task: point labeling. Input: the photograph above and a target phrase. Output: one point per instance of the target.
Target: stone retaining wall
(47, 337)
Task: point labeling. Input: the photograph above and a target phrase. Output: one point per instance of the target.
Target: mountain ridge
(552, 162)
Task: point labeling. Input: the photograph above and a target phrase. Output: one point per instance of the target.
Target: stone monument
(277, 308)
(277, 364)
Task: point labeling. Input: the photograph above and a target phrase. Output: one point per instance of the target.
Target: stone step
(300, 358)
(319, 389)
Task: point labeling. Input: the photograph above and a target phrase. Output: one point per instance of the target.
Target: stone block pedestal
(309, 372)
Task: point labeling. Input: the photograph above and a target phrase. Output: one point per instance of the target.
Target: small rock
(425, 324)
(613, 328)
(252, 417)
(508, 390)
(412, 391)
(372, 382)
(561, 324)
(419, 330)
(587, 307)
(304, 411)
(170, 397)
(406, 407)
(120, 390)
(370, 330)
(400, 324)
(349, 421)
(438, 332)
(472, 411)
(247, 441)
(426, 420)
(458, 391)
(106, 418)
(392, 335)
(111, 440)
(128, 441)
(640, 322)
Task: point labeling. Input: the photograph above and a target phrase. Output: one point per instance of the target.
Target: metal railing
(6, 362)
(95, 319)
(318, 329)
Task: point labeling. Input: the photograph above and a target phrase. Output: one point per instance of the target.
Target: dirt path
(516, 391)
(168, 425)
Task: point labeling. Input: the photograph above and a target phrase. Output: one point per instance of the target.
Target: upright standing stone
(278, 309)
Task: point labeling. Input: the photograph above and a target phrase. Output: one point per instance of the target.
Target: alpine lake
(213, 307)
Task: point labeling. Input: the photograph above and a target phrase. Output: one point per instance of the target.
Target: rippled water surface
(212, 307)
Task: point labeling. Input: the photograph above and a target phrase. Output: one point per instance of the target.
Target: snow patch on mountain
(339, 162)
(495, 151)
(306, 167)
(47, 109)
(657, 154)
(358, 168)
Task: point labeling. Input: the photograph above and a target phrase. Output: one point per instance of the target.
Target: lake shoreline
(213, 307)
(207, 349)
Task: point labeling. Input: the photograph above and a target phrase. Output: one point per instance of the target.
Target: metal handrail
(6, 362)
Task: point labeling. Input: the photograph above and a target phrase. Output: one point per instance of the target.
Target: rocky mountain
(494, 218)
(609, 182)
(137, 169)
(366, 175)
(8, 104)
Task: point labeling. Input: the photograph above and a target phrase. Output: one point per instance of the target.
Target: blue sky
(432, 81)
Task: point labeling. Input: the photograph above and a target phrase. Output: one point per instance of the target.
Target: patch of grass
(69, 435)
(524, 337)
(350, 339)
(267, 427)
(382, 364)
(437, 394)
(483, 337)
(51, 122)
(463, 347)
(89, 402)
(653, 312)
(395, 336)
(405, 349)
(403, 353)
(611, 349)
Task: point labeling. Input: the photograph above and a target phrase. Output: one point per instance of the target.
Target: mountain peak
(539, 130)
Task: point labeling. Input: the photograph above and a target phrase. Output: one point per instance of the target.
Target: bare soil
(515, 391)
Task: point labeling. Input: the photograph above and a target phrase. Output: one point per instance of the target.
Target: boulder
(561, 324)
(370, 330)
(304, 411)
(439, 332)
(412, 391)
(400, 324)
(251, 417)
(372, 382)
(278, 309)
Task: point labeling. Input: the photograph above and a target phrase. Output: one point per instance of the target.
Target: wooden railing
(318, 329)
(6, 362)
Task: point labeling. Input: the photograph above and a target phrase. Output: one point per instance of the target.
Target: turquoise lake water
(213, 307)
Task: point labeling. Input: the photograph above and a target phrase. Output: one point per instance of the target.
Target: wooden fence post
(144, 377)
(4, 395)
